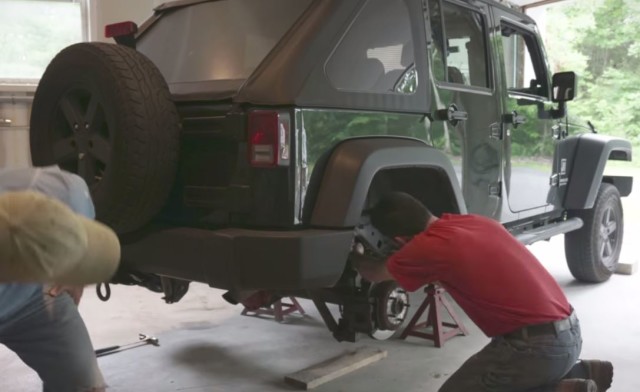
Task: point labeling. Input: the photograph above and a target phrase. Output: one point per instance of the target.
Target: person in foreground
(503, 288)
(49, 248)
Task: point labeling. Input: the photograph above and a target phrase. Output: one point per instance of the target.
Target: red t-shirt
(493, 277)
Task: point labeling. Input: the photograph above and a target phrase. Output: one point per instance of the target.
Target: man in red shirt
(503, 288)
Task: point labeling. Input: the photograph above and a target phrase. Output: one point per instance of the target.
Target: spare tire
(104, 111)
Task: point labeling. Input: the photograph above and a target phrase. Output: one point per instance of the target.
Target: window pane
(221, 40)
(466, 46)
(521, 74)
(436, 43)
(33, 32)
(377, 54)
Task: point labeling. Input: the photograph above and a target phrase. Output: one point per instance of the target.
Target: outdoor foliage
(529, 139)
(600, 41)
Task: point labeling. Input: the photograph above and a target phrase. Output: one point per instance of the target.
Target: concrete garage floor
(206, 345)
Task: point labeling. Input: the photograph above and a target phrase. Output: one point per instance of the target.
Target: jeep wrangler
(239, 143)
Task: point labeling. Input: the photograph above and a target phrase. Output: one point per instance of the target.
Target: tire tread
(582, 258)
(146, 145)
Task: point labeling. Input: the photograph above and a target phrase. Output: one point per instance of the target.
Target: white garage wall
(15, 107)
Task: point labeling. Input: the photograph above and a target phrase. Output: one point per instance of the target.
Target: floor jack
(435, 302)
(143, 340)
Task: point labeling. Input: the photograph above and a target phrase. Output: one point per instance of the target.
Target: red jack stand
(435, 301)
(278, 309)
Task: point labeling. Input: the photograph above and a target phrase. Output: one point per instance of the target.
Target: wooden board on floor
(627, 268)
(333, 368)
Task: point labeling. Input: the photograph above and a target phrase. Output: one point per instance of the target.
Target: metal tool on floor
(143, 340)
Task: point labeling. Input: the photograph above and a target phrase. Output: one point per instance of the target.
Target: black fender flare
(352, 164)
(590, 158)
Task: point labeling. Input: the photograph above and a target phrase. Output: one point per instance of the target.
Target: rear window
(220, 40)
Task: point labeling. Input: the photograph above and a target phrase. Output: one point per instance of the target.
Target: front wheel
(593, 251)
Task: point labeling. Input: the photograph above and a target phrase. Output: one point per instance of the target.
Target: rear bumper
(241, 259)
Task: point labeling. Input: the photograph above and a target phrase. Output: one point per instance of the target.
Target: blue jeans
(49, 335)
(519, 364)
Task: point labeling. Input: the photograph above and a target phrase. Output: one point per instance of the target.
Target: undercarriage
(374, 309)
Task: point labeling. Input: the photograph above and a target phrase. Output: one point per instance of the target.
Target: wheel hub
(390, 309)
(82, 144)
(81, 139)
(608, 236)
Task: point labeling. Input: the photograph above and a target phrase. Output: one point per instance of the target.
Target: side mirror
(564, 86)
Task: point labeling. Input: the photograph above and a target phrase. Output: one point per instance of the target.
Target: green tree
(600, 40)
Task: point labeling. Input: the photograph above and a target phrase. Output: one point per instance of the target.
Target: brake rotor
(391, 306)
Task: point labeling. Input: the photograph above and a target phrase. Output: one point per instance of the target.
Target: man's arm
(75, 292)
(373, 270)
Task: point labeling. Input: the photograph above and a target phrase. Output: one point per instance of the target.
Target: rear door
(466, 106)
(530, 132)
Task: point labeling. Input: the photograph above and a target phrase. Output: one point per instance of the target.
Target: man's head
(43, 240)
(399, 214)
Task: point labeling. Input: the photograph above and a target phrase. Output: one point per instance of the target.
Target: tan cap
(42, 240)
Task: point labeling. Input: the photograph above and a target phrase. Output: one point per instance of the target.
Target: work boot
(599, 371)
(576, 385)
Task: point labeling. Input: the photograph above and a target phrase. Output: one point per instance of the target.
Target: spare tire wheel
(104, 111)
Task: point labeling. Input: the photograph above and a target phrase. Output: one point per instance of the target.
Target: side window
(523, 74)
(435, 46)
(377, 53)
(458, 45)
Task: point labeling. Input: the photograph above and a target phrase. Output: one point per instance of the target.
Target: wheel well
(619, 155)
(624, 184)
(590, 155)
(341, 182)
(429, 185)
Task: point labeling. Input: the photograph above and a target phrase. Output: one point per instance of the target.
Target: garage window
(377, 53)
(33, 31)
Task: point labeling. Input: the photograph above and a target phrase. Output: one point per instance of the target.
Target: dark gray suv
(239, 143)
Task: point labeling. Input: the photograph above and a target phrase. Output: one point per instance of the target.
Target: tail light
(269, 138)
(120, 29)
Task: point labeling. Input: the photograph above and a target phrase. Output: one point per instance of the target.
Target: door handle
(518, 120)
(452, 114)
(557, 132)
(514, 118)
(5, 122)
